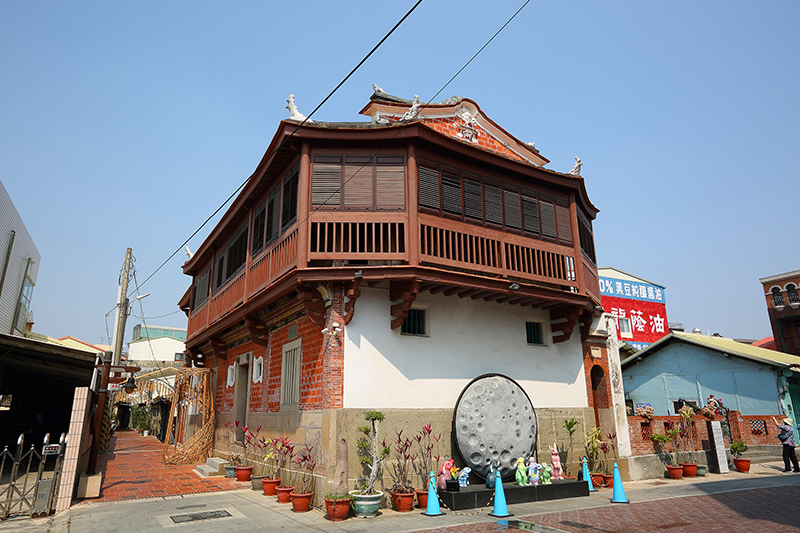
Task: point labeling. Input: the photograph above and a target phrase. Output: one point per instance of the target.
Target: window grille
(290, 372)
(758, 427)
(647, 432)
(414, 324)
(533, 332)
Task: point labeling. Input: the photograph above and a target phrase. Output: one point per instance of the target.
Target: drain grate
(199, 506)
(194, 517)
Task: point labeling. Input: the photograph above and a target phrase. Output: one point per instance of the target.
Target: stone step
(215, 466)
(205, 471)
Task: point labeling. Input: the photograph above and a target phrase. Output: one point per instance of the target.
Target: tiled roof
(722, 345)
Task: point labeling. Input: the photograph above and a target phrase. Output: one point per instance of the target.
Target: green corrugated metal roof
(722, 345)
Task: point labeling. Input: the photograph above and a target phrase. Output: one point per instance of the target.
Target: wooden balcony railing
(271, 265)
(445, 243)
(350, 236)
(198, 321)
(229, 297)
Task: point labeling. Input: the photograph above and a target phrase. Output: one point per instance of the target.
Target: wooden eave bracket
(192, 355)
(219, 348)
(352, 291)
(258, 332)
(405, 293)
(562, 322)
(586, 324)
(313, 304)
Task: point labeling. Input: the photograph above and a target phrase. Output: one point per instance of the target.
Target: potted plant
(337, 506)
(367, 500)
(425, 440)
(593, 446)
(306, 462)
(608, 467)
(571, 425)
(402, 491)
(242, 469)
(737, 449)
(284, 449)
(234, 456)
(675, 470)
(660, 440)
(686, 426)
(270, 481)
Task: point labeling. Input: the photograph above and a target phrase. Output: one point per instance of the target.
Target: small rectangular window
(533, 333)
(179, 356)
(414, 324)
(290, 372)
(258, 228)
(625, 328)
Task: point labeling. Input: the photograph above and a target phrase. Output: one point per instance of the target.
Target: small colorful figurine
(533, 471)
(444, 474)
(522, 473)
(463, 477)
(545, 475)
(491, 474)
(555, 461)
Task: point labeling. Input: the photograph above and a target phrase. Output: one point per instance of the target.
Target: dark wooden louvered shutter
(451, 192)
(274, 214)
(258, 228)
(587, 239)
(429, 196)
(493, 202)
(326, 181)
(390, 183)
(530, 215)
(512, 210)
(289, 199)
(358, 175)
(564, 223)
(547, 212)
(473, 200)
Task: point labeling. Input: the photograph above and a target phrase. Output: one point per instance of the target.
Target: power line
(266, 158)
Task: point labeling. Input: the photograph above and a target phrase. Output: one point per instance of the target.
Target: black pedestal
(478, 495)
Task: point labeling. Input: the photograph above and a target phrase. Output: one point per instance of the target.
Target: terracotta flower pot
(422, 498)
(284, 494)
(337, 509)
(675, 472)
(269, 485)
(742, 465)
(403, 501)
(689, 469)
(243, 473)
(301, 503)
(608, 480)
(597, 480)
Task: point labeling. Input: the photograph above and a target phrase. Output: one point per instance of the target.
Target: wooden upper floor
(403, 200)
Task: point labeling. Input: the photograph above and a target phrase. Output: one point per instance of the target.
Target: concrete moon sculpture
(494, 419)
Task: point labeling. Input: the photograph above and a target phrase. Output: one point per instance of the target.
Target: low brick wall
(752, 429)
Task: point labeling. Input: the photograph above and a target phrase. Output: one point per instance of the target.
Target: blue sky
(128, 124)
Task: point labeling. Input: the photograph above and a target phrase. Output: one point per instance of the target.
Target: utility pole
(121, 315)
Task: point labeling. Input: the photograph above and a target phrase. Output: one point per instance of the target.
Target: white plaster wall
(23, 249)
(163, 349)
(384, 369)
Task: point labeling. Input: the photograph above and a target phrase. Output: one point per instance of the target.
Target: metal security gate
(24, 489)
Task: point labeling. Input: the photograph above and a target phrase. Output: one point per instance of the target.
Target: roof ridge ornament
(294, 114)
(413, 111)
(576, 170)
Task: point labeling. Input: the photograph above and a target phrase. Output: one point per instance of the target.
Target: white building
(19, 267)
(156, 343)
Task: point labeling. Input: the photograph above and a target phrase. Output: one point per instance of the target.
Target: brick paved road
(773, 510)
(133, 469)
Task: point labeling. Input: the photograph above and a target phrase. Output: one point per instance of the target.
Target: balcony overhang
(404, 284)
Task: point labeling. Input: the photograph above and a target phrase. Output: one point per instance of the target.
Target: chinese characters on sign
(639, 309)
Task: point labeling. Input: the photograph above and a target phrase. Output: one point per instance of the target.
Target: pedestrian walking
(786, 436)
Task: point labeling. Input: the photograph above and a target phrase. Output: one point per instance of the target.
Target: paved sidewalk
(133, 470)
(764, 500)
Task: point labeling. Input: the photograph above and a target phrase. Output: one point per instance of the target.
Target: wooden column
(412, 205)
(303, 204)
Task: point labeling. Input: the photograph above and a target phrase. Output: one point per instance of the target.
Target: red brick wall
(604, 391)
(740, 425)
